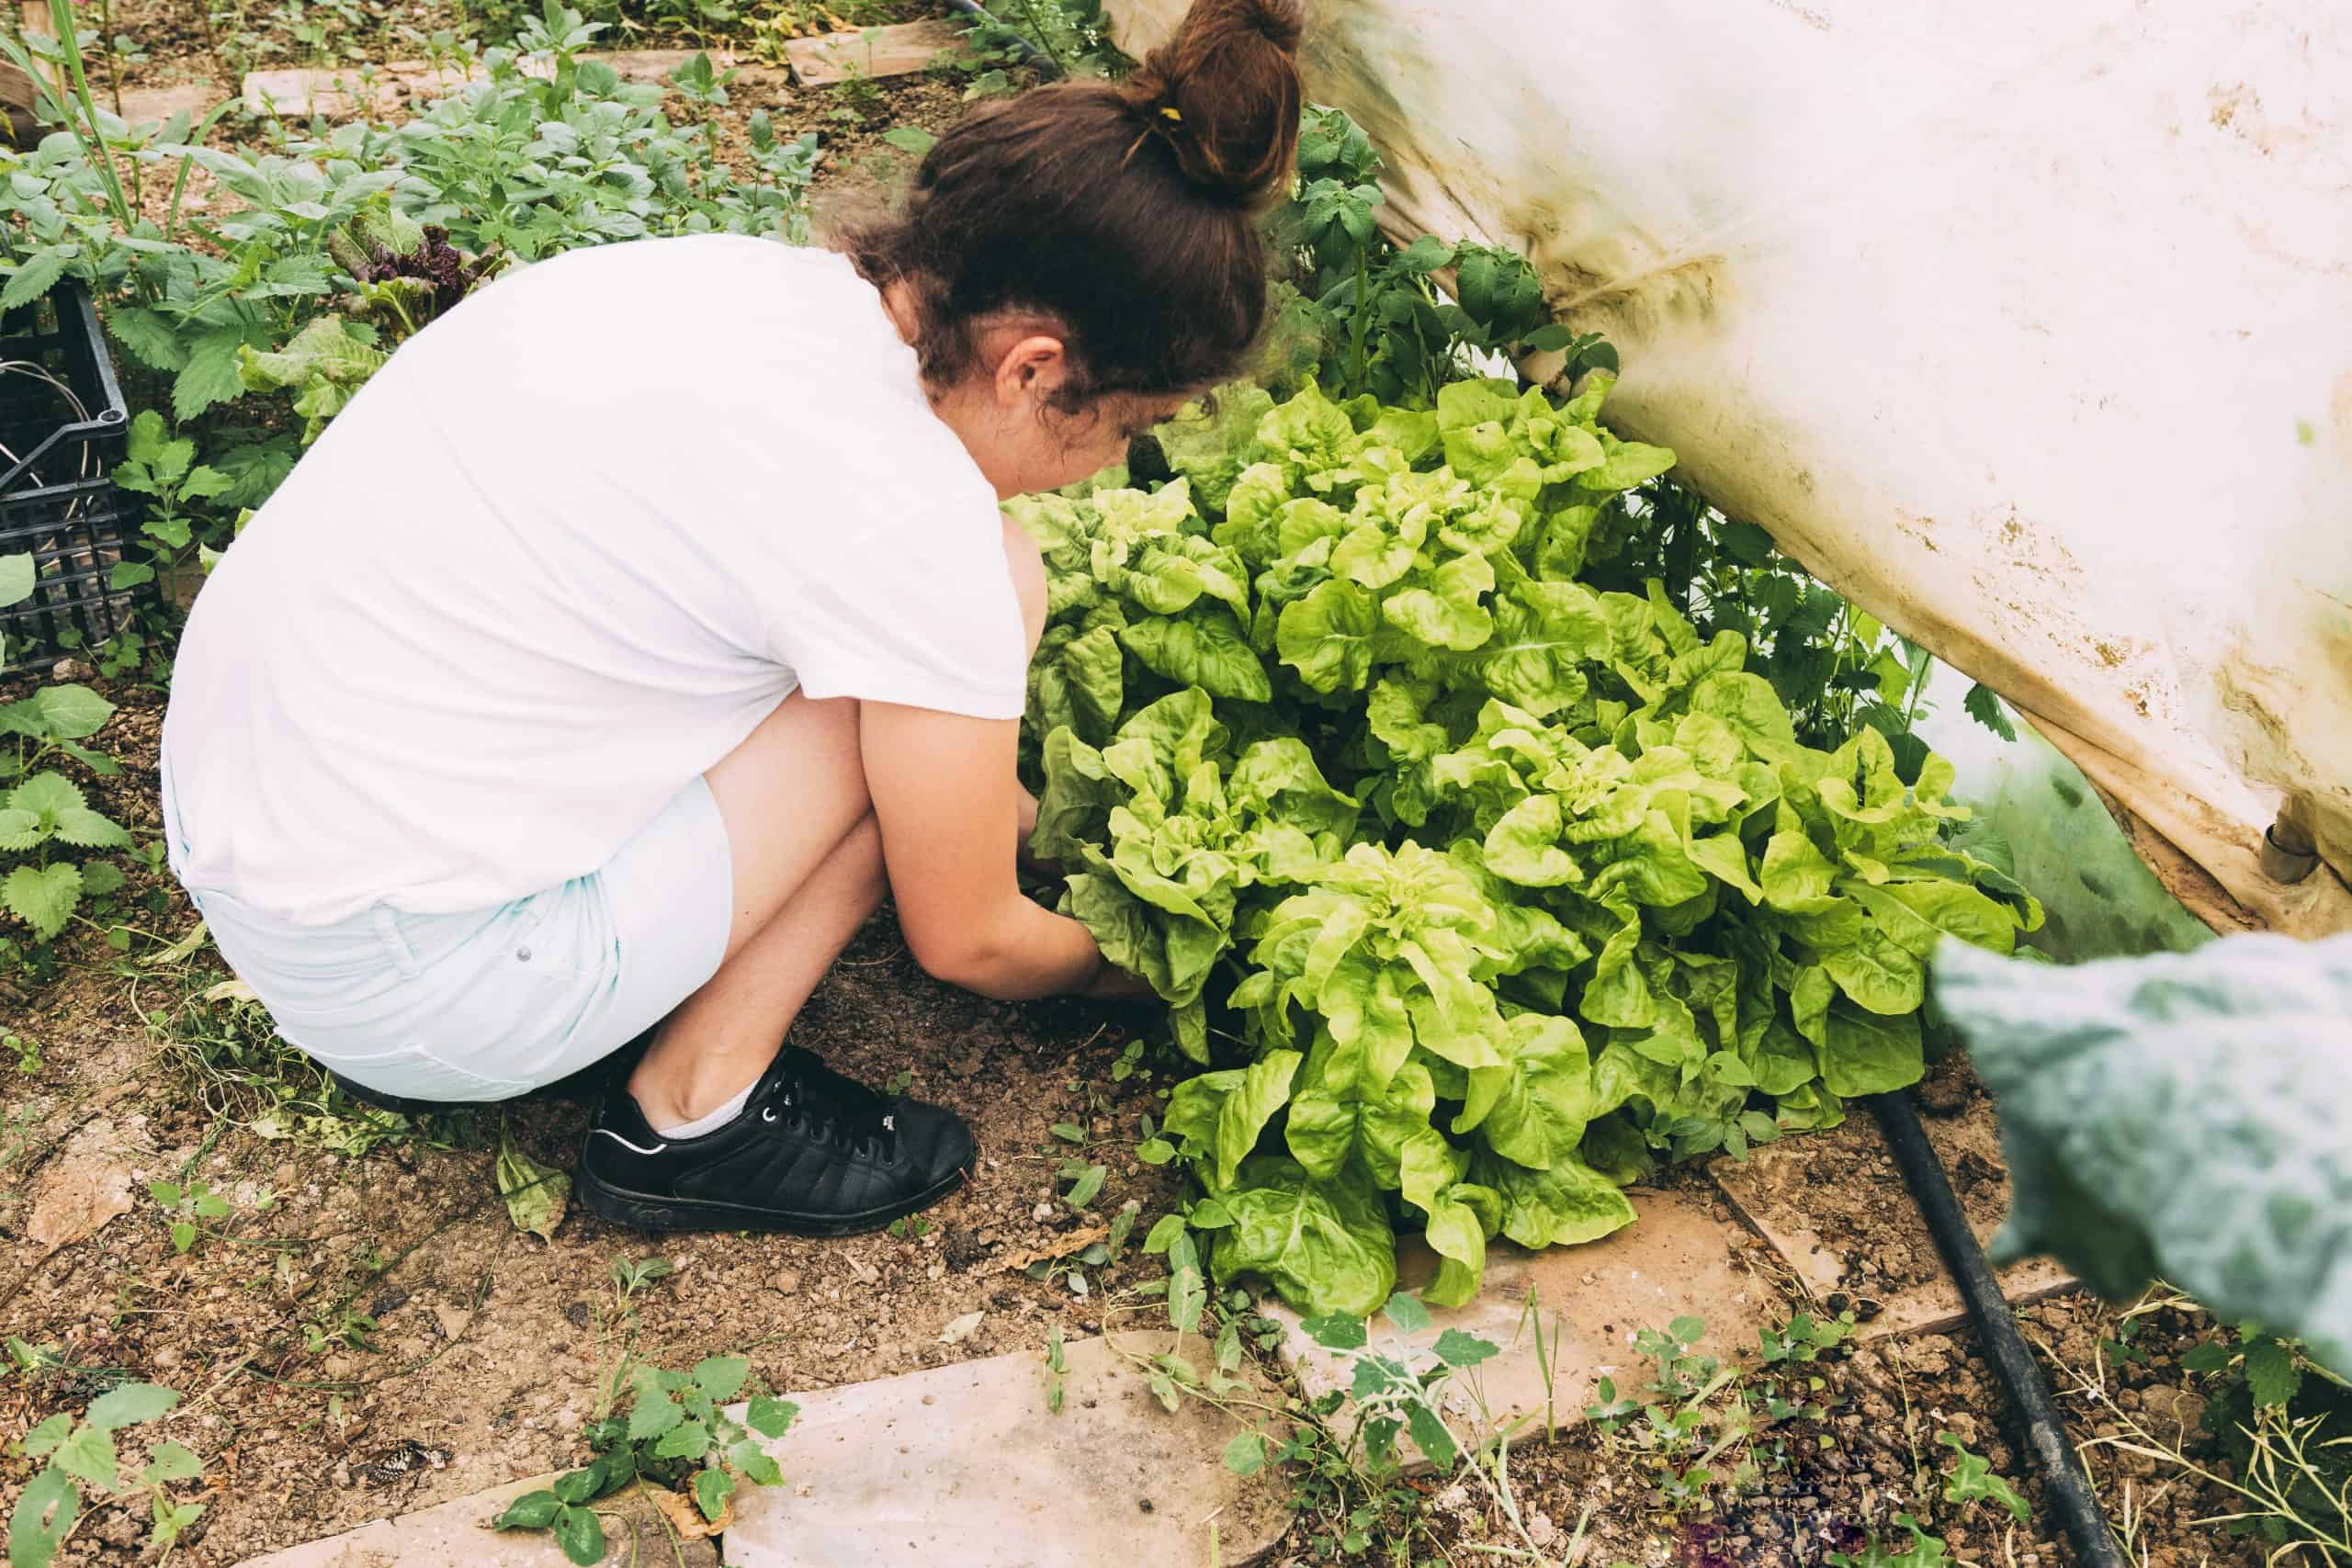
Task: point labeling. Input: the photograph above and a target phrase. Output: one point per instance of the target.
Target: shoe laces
(810, 1097)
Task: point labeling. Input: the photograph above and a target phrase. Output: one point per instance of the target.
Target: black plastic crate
(63, 429)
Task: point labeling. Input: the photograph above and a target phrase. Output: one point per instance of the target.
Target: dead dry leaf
(959, 1329)
(82, 1189)
(684, 1517)
(535, 1194)
(1068, 1245)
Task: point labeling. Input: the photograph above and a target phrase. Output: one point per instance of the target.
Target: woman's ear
(1031, 369)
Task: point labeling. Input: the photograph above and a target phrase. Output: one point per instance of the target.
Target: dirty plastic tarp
(2027, 326)
(2038, 818)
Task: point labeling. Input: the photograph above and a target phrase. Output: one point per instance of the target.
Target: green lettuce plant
(1476, 887)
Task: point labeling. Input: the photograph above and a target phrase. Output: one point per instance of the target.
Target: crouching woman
(650, 617)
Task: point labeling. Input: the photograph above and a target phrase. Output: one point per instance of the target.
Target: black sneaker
(813, 1154)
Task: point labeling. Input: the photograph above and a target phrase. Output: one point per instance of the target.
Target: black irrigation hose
(1996, 1329)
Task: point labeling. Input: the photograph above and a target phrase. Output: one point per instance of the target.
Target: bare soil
(380, 1337)
(480, 1359)
(217, 41)
(1832, 1485)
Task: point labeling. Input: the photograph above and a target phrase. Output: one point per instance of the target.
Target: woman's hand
(1113, 984)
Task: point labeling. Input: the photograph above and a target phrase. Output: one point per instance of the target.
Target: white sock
(715, 1120)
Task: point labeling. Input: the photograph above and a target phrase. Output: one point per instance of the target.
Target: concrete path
(966, 1465)
(1563, 1318)
(457, 1535)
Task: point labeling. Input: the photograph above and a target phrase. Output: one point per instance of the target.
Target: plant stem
(1361, 324)
(93, 143)
(114, 64)
(1045, 39)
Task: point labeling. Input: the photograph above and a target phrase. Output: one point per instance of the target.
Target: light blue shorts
(488, 1004)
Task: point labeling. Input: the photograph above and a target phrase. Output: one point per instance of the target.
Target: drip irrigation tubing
(2069, 1490)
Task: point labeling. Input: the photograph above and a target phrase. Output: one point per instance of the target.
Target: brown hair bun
(1224, 93)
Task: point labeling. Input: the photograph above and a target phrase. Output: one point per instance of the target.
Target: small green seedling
(84, 1459)
(187, 1207)
(675, 1434)
(1923, 1550)
(1972, 1480)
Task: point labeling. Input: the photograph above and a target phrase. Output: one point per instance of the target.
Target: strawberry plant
(1475, 884)
(83, 1462)
(675, 1434)
(44, 818)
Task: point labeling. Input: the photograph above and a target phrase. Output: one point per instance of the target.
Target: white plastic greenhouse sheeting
(2026, 324)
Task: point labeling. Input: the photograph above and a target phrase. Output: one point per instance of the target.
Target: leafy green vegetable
(324, 365)
(1503, 880)
(2182, 1116)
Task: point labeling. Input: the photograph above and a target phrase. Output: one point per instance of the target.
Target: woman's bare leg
(807, 857)
(722, 1038)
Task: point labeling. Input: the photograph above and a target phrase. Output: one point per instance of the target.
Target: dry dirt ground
(380, 1336)
(377, 1337)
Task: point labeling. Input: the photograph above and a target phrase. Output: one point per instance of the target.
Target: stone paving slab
(457, 1535)
(1583, 1303)
(898, 51)
(1778, 1191)
(343, 92)
(193, 99)
(965, 1465)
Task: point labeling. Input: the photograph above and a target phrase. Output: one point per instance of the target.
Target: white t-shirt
(561, 555)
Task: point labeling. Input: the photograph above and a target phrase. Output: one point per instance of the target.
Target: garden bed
(382, 1339)
(173, 43)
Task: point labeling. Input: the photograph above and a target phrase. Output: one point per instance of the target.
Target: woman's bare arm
(943, 787)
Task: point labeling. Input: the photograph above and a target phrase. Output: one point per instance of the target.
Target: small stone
(787, 1283)
(2172, 1411)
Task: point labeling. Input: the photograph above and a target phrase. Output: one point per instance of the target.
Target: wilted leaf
(535, 1194)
